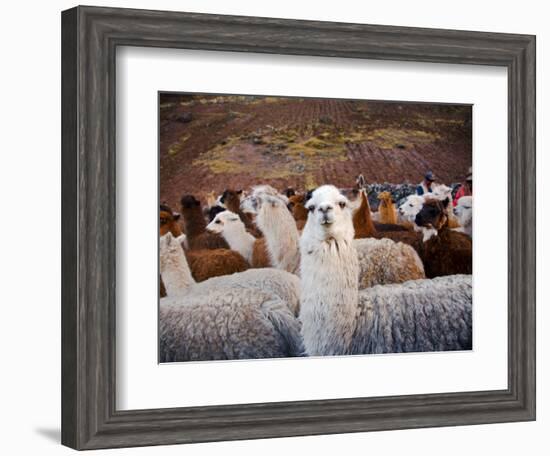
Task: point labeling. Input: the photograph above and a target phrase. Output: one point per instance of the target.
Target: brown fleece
(260, 254)
(195, 227)
(450, 252)
(362, 219)
(205, 264)
(387, 210)
(296, 204)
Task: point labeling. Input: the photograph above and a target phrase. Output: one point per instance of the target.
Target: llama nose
(325, 208)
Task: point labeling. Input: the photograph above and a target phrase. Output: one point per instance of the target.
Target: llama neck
(300, 212)
(281, 235)
(175, 271)
(329, 295)
(193, 221)
(362, 219)
(240, 240)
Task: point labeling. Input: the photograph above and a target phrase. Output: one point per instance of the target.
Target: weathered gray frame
(90, 36)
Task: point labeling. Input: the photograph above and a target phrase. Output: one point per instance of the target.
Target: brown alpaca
(362, 218)
(296, 205)
(387, 209)
(363, 223)
(204, 264)
(260, 254)
(447, 252)
(231, 199)
(211, 199)
(169, 221)
(195, 227)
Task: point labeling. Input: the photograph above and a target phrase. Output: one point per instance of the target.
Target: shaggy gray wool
(415, 316)
(226, 323)
(283, 285)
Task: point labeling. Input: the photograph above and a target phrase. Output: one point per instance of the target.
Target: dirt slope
(216, 142)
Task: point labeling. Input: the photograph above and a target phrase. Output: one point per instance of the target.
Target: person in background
(465, 188)
(426, 185)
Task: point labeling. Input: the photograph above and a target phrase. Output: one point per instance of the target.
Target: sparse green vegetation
(178, 145)
(388, 138)
(285, 152)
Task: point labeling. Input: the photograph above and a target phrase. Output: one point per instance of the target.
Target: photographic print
(295, 227)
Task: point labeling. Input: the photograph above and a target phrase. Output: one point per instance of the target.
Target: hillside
(210, 142)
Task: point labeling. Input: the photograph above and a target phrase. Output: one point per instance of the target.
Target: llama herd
(264, 274)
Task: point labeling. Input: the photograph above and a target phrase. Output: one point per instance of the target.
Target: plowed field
(210, 143)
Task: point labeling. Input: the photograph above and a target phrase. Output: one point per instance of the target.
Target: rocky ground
(210, 143)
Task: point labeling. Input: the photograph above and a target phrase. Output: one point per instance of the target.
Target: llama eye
(218, 222)
(311, 208)
(342, 204)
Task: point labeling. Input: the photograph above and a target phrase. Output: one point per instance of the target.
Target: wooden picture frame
(90, 37)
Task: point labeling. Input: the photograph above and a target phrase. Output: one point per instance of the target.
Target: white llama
(410, 207)
(233, 230)
(337, 319)
(464, 212)
(277, 225)
(244, 315)
(381, 260)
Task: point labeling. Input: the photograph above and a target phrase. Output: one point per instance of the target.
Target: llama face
(169, 222)
(330, 215)
(189, 202)
(223, 221)
(411, 207)
(464, 209)
(296, 207)
(441, 192)
(353, 196)
(231, 198)
(385, 197)
(261, 194)
(433, 214)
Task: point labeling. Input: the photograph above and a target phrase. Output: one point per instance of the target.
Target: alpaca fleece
(195, 227)
(206, 264)
(447, 251)
(281, 235)
(386, 209)
(278, 226)
(450, 252)
(179, 281)
(362, 219)
(299, 211)
(225, 324)
(251, 314)
(365, 226)
(339, 319)
(383, 261)
(463, 211)
(260, 254)
(416, 316)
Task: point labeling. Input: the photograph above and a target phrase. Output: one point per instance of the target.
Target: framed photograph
(269, 227)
